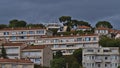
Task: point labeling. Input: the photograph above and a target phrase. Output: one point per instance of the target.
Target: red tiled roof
(15, 60)
(83, 27)
(13, 44)
(35, 47)
(114, 31)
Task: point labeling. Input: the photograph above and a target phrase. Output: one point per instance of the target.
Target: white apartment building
(28, 35)
(102, 31)
(67, 44)
(13, 50)
(53, 26)
(101, 57)
(41, 55)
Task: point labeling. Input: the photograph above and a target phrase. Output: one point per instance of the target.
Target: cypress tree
(3, 52)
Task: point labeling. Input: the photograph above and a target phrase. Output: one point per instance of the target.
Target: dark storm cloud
(36, 11)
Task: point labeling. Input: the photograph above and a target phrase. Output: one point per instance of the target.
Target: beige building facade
(67, 44)
(101, 57)
(38, 54)
(27, 35)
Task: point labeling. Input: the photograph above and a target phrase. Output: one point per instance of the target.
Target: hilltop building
(27, 35)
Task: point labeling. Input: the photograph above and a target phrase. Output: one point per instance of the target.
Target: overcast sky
(46, 11)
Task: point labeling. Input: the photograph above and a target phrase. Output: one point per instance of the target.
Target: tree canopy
(118, 66)
(64, 18)
(17, 23)
(105, 24)
(58, 54)
(109, 42)
(78, 55)
(58, 63)
(3, 26)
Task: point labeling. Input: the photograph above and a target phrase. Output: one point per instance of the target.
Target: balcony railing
(98, 60)
(73, 42)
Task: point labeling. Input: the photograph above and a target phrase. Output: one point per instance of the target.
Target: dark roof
(35, 47)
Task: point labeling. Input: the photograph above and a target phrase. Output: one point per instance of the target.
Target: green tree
(54, 31)
(17, 23)
(75, 65)
(58, 54)
(78, 55)
(3, 26)
(105, 24)
(58, 63)
(64, 18)
(3, 52)
(109, 42)
(118, 66)
(36, 25)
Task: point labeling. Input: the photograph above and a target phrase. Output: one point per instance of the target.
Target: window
(22, 37)
(89, 50)
(14, 66)
(98, 65)
(106, 58)
(40, 32)
(106, 50)
(92, 57)
(6, 33)
(87, 39)
(31, 32)
(37, 60)
(105, 65)
(94, 38)
(13, 33)
(3, 65)
(23, 32)
(79, 39)
(13, 38)
(98, 50)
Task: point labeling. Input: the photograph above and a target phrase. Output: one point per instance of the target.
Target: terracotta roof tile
(83, 27)
(35, 47)
(13, 44)
(15, 60)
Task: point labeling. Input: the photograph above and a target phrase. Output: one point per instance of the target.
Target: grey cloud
(36, 11)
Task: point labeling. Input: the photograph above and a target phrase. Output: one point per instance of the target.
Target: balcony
(31, 56)
(107, 61)
(98, 60)
(21, 39)
(67, 42)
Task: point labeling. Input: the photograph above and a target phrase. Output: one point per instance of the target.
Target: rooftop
(13, 44)
(83, 27)
(14, 61)
(34, 47)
